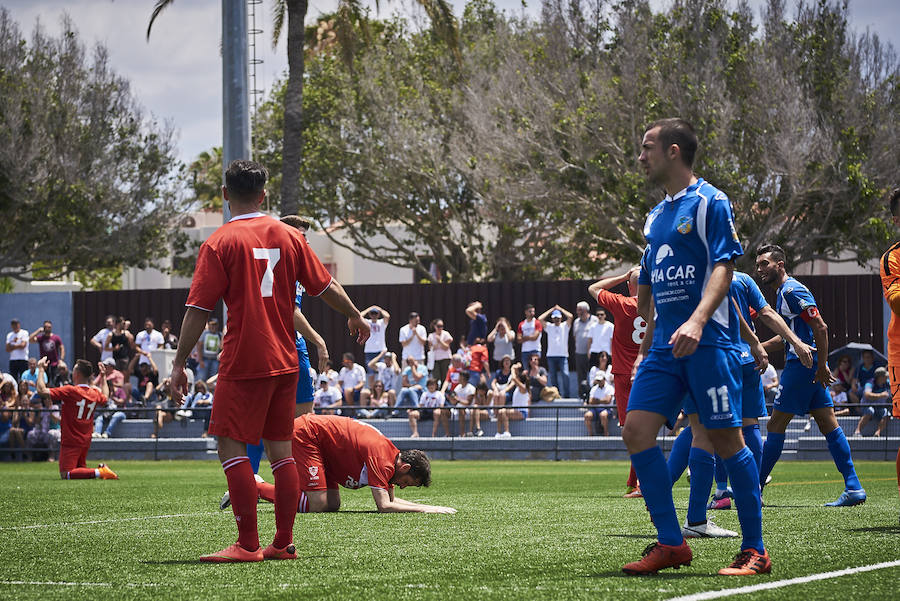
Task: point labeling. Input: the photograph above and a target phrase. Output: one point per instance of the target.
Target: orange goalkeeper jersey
(890, 283)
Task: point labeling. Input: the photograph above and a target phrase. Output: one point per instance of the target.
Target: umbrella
(855, 350)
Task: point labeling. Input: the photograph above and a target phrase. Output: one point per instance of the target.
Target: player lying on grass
(332, 451)
(77, 403)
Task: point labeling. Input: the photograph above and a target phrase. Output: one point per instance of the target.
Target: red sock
(81, 473)
(632, 478)
(242, 488)
(287, 491)
(266, 491)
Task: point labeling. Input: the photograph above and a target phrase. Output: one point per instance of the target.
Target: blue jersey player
(803, 389)
(693, 357)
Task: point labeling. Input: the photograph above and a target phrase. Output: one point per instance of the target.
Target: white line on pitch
(92, 584)
(109, 521)
(780, 583)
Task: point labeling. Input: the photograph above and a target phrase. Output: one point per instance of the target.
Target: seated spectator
(478, 363)
(11, 433)
(840, 399)
(865, 373)
(456, 367)
(352, 380)
(30, 375)
(521, 398)
(443, 414)
(164, 406)
(440, 340)
(502, 337)
(414, 378)
(465, 396)
(386, 370)
(601, 403)
(331, 375)
(536, 377)
(327, 398)
(46, 432)
(379, 402)
(431, 400)
(501, 387)
(876, 397)
(112, 415)
(62, 376)
(602, 365)
(770, 383)
(147, 380)
(479, 410)
(201, 398)
(208, 347)
(170, 340)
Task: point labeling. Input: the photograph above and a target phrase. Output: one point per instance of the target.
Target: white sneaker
(95, 435)
(104, 435)
(507, 434)
(225, 503)
(498, 435)
(768, 479)
(258, 478)
(707, 530)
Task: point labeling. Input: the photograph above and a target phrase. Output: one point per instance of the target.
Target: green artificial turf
(525, 530)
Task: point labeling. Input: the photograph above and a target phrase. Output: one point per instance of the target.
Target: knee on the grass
(322, 502)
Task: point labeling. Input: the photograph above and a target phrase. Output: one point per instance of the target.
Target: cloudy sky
(178, 75)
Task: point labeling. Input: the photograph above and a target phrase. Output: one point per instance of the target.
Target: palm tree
(293, 12)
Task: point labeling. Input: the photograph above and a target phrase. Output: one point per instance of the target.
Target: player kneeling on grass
(78, 404)
(332, 451)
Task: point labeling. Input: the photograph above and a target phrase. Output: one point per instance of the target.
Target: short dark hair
(148, 318)
(419, 465)
(464, 374)
(481, 386)
(776, 251)
(413, 314)
(296, 221)
(431, 381)
(529, 306)
(245, 179)
(348, 356)
(84, 368)
(895, 201)
(679, 132)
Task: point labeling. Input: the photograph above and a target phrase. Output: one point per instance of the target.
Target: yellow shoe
(106, 473)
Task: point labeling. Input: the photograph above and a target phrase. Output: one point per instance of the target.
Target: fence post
(556, 443)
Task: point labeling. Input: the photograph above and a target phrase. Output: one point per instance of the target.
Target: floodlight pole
(235, 88)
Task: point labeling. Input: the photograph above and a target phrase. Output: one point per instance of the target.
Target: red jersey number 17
(271, 256)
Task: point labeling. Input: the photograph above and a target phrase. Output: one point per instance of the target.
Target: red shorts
(71, 457)
(247, 410)
(622, 385)
(310, 466)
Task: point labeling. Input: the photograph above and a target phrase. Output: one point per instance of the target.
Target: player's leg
(414, 423)
(254, 454)
(868, 412)
(622, 386)
(72, 464)
(604, 421)
(503, 421)
(840, 451)
(680, 454)
(882, 423)
(702, 464)
(774, 444)
(588, 421)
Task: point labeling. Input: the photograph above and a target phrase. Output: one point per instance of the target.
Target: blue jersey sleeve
(721, 236)
(644, 275)
(755, 297)
(799, 299)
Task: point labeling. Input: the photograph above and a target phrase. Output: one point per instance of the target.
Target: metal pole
(556, 444)
(235, 87)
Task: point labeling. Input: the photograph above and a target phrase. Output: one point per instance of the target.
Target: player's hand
(439, 509)
(179, 384)
(761, 356)
(43, 362)
(637, 362)
(824, 376)
(804, 353)
(359, 328)
(686, 338)
(101, 367)
(323, 358)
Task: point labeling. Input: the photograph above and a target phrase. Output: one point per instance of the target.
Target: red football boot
(658, 556)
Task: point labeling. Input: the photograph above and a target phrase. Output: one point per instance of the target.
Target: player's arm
(336, 298)
(34, 335)
(94, 343)
(543, 316)
(608, 283)
(820, 334)
(472, 309)
(685, 339)
(191, 328)
(645, 297)
(568, 316)
(41, 381)
(749, 336)
(387, 503)
(302, 325)
(774, 322)
(104, 385)
(374, 360)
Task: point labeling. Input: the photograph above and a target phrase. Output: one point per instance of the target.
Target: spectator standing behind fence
(502, 337)
(581, 333)
(440, 340)
(17, 347)
(51, 346)
(600, 335)
(478, 325)
(876, 397)
(378, 320)
(170, 340)
(208, 348)
(413, 337)
(557, 327)
(99, 339)
(148, 339)
(529, 335)
(120, 343)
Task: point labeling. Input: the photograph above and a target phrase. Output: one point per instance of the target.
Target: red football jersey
(78, 406)
(355, 454)
(628, 329)
(253, 262)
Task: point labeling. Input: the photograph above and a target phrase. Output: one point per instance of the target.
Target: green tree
(88, 182)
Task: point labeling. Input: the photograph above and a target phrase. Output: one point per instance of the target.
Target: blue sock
(771, 452)
(721, 474)
(678, 456)
(702, 467)
(652, 472)
(754, 442)
(254, 452)
(840, 452)
(745, 482)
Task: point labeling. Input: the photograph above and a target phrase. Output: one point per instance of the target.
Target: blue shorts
(877, 413)
(305, 390)
(753, 398)
(798, 394)
(705, 382)
(596, 411)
